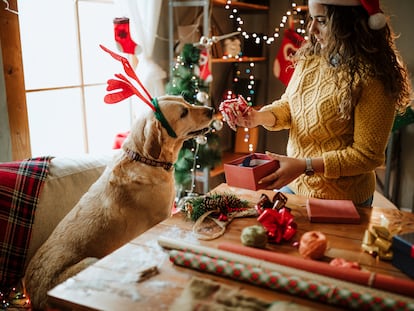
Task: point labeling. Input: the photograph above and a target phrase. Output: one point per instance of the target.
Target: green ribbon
(160, 117)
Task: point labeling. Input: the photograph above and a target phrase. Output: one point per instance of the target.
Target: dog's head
(150, 138)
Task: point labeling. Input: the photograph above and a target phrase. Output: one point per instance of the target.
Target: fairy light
(295, 12)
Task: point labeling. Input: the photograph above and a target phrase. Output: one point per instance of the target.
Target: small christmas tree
(204, 151)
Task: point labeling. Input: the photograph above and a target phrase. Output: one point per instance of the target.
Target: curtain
(144, 17)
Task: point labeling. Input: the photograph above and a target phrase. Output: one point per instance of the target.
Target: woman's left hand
(289, 169)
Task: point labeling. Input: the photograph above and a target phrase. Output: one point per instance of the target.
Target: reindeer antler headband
(123, 88)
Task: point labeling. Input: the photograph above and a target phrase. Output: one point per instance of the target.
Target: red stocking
(204, 64)
(282, 67)
(123, 36)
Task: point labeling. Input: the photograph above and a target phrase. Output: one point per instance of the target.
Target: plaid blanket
(20, 186)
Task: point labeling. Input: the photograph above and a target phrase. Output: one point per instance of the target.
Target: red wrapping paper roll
(374, 280)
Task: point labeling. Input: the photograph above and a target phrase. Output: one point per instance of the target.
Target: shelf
(241, 5)
(244, 59)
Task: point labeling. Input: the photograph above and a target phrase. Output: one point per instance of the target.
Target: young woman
(340, 104)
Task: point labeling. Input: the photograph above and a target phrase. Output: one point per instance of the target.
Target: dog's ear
(153, 140)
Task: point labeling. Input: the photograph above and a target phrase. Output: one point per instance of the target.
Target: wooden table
(110, 284)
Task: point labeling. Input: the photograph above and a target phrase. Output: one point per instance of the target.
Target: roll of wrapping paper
(374, 280)
(334, 284)
(322, 292)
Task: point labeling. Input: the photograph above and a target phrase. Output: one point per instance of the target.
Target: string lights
(295, 14)
(293, 18)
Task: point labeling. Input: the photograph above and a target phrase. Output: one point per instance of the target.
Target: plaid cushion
(20, 186)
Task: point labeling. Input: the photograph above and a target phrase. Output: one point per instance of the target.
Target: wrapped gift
(245, 172)
(403, 249)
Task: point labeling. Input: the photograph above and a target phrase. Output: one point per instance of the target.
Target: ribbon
(377, 241)
(279, 224)
(160, 117)
(276, 218)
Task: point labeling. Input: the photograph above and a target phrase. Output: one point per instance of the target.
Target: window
(65, 76)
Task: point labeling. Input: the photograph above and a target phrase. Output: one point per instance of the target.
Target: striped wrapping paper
(328, 293)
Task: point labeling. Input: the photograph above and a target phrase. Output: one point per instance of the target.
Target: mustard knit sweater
(351, 149)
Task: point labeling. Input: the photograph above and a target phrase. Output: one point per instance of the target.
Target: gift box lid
(332, 211)
(404, 243)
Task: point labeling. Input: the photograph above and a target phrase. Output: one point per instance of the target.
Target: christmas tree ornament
(123, 38)
(202, 97)
(201, 139)
(217, 124)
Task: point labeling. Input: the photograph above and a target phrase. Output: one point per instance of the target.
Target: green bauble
(254, 236)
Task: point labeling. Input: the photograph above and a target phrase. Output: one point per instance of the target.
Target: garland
(221, 205)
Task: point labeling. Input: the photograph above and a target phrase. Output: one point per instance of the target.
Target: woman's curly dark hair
(362, 53)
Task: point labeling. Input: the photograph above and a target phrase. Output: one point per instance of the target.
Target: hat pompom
(377, 21)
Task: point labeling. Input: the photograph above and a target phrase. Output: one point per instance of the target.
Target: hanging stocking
(123, 36)
(204, 64)
(282, 67)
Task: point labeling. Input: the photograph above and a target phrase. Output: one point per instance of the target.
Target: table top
(111, 283)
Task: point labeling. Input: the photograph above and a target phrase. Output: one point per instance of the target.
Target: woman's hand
(289, 169)
(255, 118)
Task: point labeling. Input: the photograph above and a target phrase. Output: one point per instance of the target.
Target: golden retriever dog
(135, 192)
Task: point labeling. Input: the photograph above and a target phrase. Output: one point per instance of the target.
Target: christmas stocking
(123, 36)
(282, 67)
(204, 64)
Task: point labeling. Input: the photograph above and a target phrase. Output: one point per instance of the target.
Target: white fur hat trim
(376, 18)
(377, 21)
(337, 2)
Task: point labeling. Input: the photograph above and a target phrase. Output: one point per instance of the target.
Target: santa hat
(376, 17)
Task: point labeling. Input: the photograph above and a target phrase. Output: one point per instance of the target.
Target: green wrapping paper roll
(294, 285)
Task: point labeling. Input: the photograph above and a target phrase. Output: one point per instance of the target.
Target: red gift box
(245, 172)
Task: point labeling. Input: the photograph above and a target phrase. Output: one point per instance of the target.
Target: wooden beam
(14, 82)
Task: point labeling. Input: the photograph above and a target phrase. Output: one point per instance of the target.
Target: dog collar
(160, 117)
(136, 157)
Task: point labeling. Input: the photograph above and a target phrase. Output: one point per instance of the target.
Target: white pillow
(68, 179)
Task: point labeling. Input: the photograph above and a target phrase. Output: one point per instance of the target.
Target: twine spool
(312, 245)
(254, 236)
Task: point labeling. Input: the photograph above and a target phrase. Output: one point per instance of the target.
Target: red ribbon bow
(278, 221)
